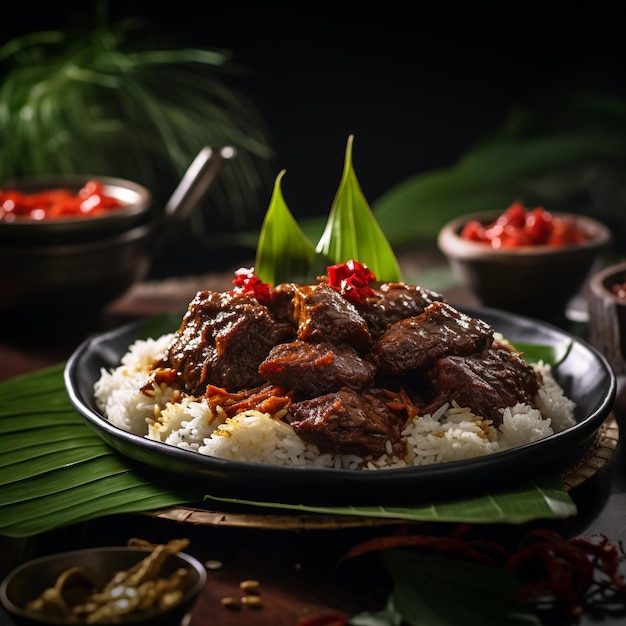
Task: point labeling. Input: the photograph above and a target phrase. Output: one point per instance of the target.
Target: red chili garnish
(246, 281)
(58, 203)
(518, 226)
(351, 280)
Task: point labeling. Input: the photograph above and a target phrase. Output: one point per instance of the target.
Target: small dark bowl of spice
(140, 584)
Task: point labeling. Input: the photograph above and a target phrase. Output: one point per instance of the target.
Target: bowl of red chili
(527, 260)
(69, 209)
(71, 245)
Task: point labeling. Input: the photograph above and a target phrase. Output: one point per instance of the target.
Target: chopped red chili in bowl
(51, 204)
(519, 226)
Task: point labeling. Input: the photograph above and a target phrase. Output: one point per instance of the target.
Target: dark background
(416, 83)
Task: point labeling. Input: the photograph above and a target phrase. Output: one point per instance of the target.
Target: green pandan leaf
(283, 252)
(352, 231)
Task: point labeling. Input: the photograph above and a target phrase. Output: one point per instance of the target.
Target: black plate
(584, 374)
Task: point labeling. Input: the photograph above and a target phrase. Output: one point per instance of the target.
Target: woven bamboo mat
(596, 456)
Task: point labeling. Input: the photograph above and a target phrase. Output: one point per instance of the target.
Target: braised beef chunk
(241, 347)
(281, 302)
(348, 422)
(394, 302)
(222, 340)
(322, 314)
(487, 382)
(314, 369)
(417, 342)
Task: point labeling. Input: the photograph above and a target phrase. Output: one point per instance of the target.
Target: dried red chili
(51, 204)
(575, 574)
(351, 280)
(519, 226)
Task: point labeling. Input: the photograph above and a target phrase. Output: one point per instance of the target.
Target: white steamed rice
(450, 433)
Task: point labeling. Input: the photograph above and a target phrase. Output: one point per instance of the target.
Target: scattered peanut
(231, 603)
(254, 602)
(249, 586)
(251, 597)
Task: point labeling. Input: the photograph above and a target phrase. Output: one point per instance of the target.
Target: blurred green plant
(110, 99)
(567, 154)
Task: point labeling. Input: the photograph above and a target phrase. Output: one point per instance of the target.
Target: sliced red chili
(351, 280)
(247, 282)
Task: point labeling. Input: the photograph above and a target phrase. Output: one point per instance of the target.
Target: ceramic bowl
(27, 581)
(535, 280)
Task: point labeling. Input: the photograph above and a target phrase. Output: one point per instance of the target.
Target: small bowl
(535, 280)
(135, 198)
(607, 315)
(27, 581)
(59, 275)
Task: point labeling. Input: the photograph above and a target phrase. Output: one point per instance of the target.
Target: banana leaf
(55, 471)
(541, 499)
